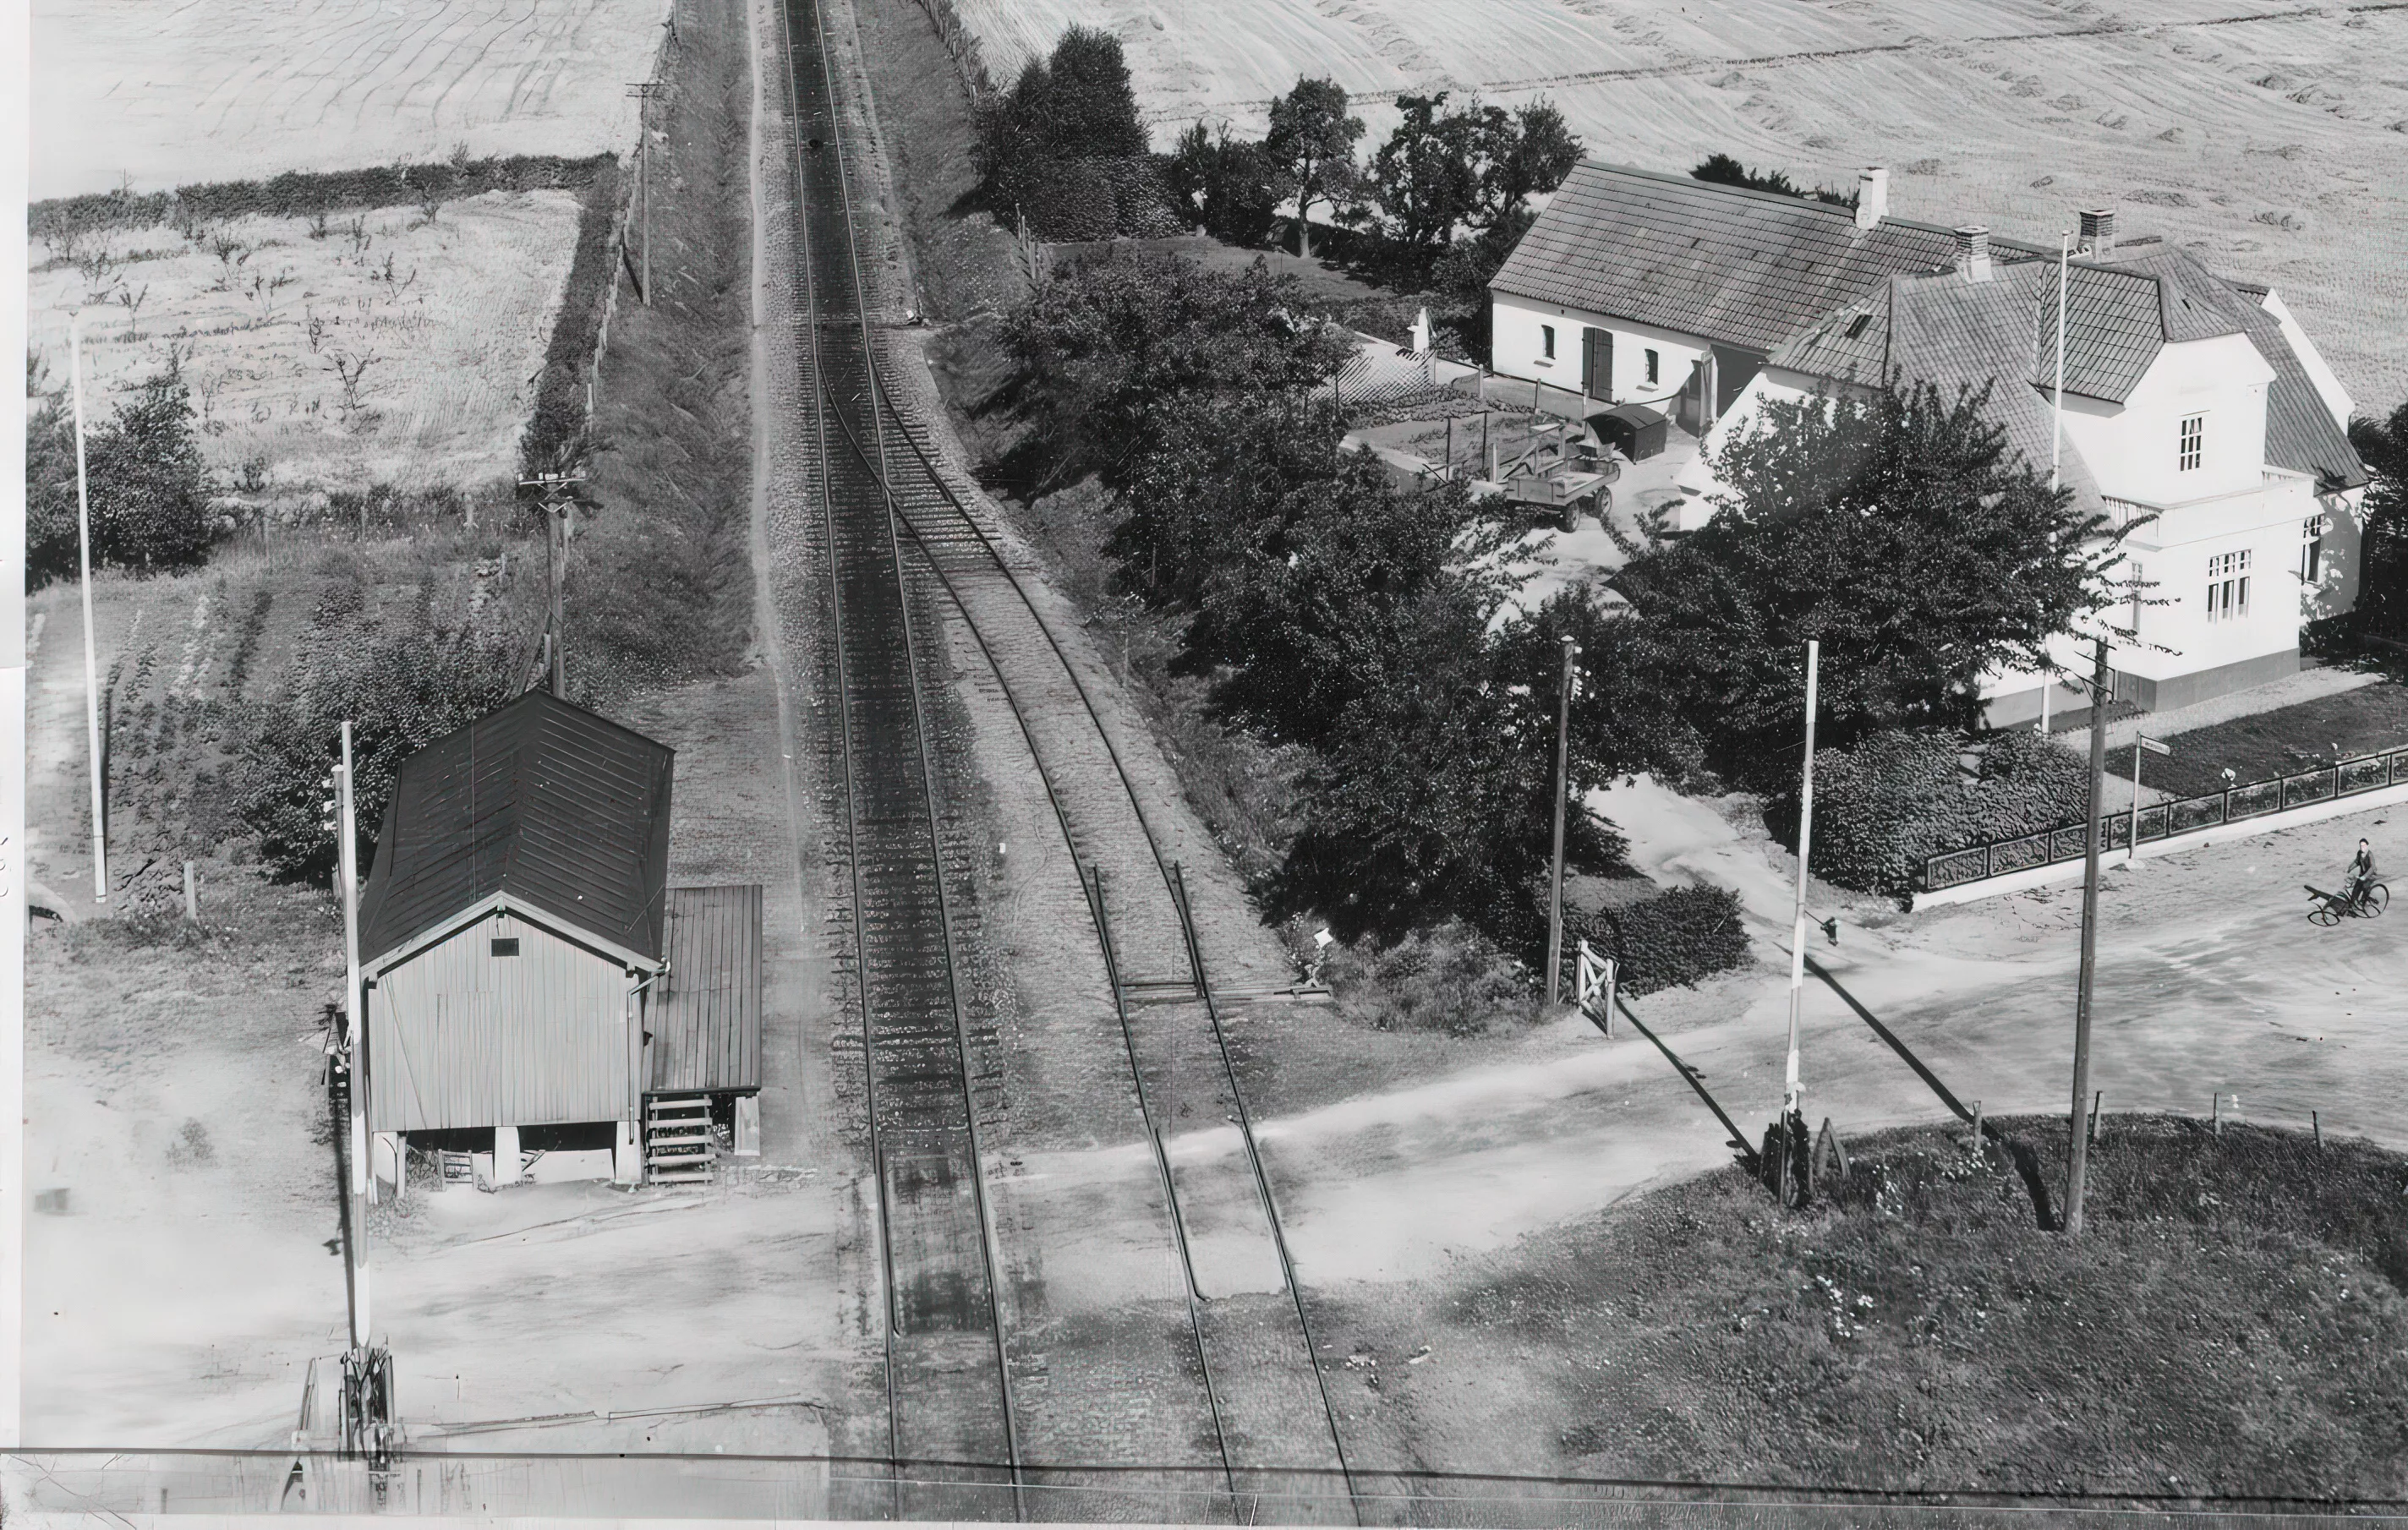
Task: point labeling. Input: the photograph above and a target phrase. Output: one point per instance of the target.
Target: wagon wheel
(2378, 897)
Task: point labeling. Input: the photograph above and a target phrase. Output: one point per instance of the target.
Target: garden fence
(2166, 820)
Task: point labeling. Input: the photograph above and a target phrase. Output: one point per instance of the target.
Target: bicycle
(2332, 907)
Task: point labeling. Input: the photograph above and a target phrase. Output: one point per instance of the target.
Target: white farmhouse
(2193, 404)
(2196, 413)
(1636, 287)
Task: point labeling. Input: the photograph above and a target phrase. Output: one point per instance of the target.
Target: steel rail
(823, 409)
(928, 769)
(1262, 1182)
(1173, 882)
(1111, 956)
(889, 1321)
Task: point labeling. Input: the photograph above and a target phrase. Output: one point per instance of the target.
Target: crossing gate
(1595, 979)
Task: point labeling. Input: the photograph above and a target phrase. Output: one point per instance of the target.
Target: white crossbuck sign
(1594, 984)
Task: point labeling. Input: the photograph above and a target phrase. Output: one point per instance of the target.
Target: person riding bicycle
(2361, 874)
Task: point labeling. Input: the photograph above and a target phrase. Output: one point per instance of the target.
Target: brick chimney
(2098, 233)
(1973, 252)
(1872, 195)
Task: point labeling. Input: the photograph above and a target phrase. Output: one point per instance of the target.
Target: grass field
(2268, 140)
(2229, 1322)
(225, 90)
(264, 313)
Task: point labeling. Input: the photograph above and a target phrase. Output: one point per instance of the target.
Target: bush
(147, 484)
(1897, 798)
(1448, 979)
(301, 194)
(1064, 147)
(1677, 938)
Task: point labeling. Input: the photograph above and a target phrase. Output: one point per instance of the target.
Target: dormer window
(2193, 448)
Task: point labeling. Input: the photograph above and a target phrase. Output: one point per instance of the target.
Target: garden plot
(385, 347)
(2268, 145)
(228, 89)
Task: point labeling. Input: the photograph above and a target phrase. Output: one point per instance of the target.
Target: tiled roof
(2300, 433)
(2114, 325)
(1740, 267)
(1958, 336)
(1951, 333)
(565, 811)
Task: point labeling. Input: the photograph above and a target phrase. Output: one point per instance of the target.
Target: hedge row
(1073, 200)
(558, 427)
(300, 195)
(1677, 938)
(1883, 808)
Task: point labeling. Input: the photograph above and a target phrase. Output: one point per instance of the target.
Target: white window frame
(2312, 546)
(1654, 368)
(2227, 586)
(2190, 445)
(1546, 342)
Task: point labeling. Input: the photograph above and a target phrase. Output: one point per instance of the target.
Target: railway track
(900, 542)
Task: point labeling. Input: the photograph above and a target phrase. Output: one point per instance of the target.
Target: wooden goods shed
(526, 963)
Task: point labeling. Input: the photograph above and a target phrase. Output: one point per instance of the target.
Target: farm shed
(526, 963)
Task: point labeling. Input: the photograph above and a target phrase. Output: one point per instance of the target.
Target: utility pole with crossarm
(558, 505)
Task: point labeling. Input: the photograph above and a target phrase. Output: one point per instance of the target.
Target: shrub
(1881, 807)
(1450, 977)
(145, 478)
(1677, 938)
(1066, 148)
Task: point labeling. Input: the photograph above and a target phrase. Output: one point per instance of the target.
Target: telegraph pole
(2078, 1158)
(1793, 1120)
(91, 652)
(1563, 789)
(355, 1042)
(644, 92)
(1790, 1094)
(556, 506)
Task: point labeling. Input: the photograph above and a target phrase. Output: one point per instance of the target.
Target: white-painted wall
(2133, 449)
(1517, 348)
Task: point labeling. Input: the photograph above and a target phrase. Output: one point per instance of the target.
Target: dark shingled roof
(565, 811)
(1740, 267)
(1956, 334)
(1950, 332)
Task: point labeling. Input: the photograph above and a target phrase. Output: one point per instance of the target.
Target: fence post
(2316, 1123)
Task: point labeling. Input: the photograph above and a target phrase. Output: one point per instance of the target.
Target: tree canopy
(1894, 527)
(1098, 349)
(2381, 609)
(1311, 140)
(146, 481)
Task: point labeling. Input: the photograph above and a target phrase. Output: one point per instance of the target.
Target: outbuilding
(533, 984)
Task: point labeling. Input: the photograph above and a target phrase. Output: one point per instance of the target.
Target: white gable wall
(1517, 348)
(2134, 449)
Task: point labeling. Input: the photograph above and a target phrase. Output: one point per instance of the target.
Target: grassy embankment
(2234, 1321)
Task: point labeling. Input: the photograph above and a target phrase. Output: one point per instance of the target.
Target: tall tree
(2381, 609)
(1312, 140)
(1103, 346)
(1227, 183)
(1428, 174)
(1536, 152)
(1896, 528)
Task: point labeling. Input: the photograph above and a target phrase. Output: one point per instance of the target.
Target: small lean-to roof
(559, 810)
(706, 1027)
(1740, 267)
